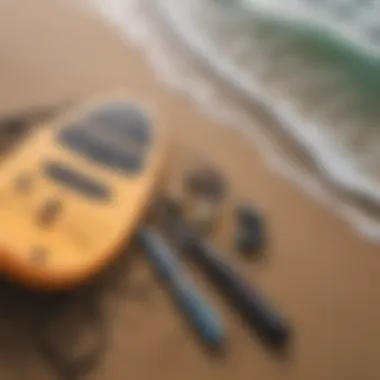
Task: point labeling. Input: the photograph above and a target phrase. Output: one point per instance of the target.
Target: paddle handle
(203, 318)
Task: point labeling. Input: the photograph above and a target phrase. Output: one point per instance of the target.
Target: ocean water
(309, 108)
(356, 22)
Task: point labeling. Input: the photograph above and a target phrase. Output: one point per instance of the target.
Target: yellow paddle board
(75, 191)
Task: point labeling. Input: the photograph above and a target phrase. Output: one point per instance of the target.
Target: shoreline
(360, 204)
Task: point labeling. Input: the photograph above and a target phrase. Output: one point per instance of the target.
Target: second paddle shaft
(246, 298)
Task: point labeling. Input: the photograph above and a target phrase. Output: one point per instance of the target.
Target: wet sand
(318, 272)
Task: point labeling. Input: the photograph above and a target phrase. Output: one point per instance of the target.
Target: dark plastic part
(77, 181)
(206, 183)
(83, 142)
(172, 207)
(49, 212)
(249, 242)
(122, 120)
(249, 216)
(250, 236)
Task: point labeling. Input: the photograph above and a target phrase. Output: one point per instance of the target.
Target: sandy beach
(323, 277)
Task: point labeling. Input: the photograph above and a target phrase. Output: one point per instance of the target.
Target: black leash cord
(61, 359)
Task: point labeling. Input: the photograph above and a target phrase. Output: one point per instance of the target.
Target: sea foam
(306, 118)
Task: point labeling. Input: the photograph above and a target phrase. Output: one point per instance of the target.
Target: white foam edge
(137, 31)
(334, 165)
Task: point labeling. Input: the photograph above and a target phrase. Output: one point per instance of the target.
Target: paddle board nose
(75, 191)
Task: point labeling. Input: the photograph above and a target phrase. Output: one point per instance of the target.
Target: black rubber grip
(77, 181)
(122, 120)
(83, 142)
(259, 313)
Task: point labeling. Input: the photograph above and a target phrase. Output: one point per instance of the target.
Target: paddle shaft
(246, 299)
(204, 319)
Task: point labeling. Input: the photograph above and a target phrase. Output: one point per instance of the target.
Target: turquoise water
(320, 95)
(352, 22)
(346, 32)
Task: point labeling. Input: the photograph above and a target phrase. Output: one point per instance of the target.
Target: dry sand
(321, 275)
